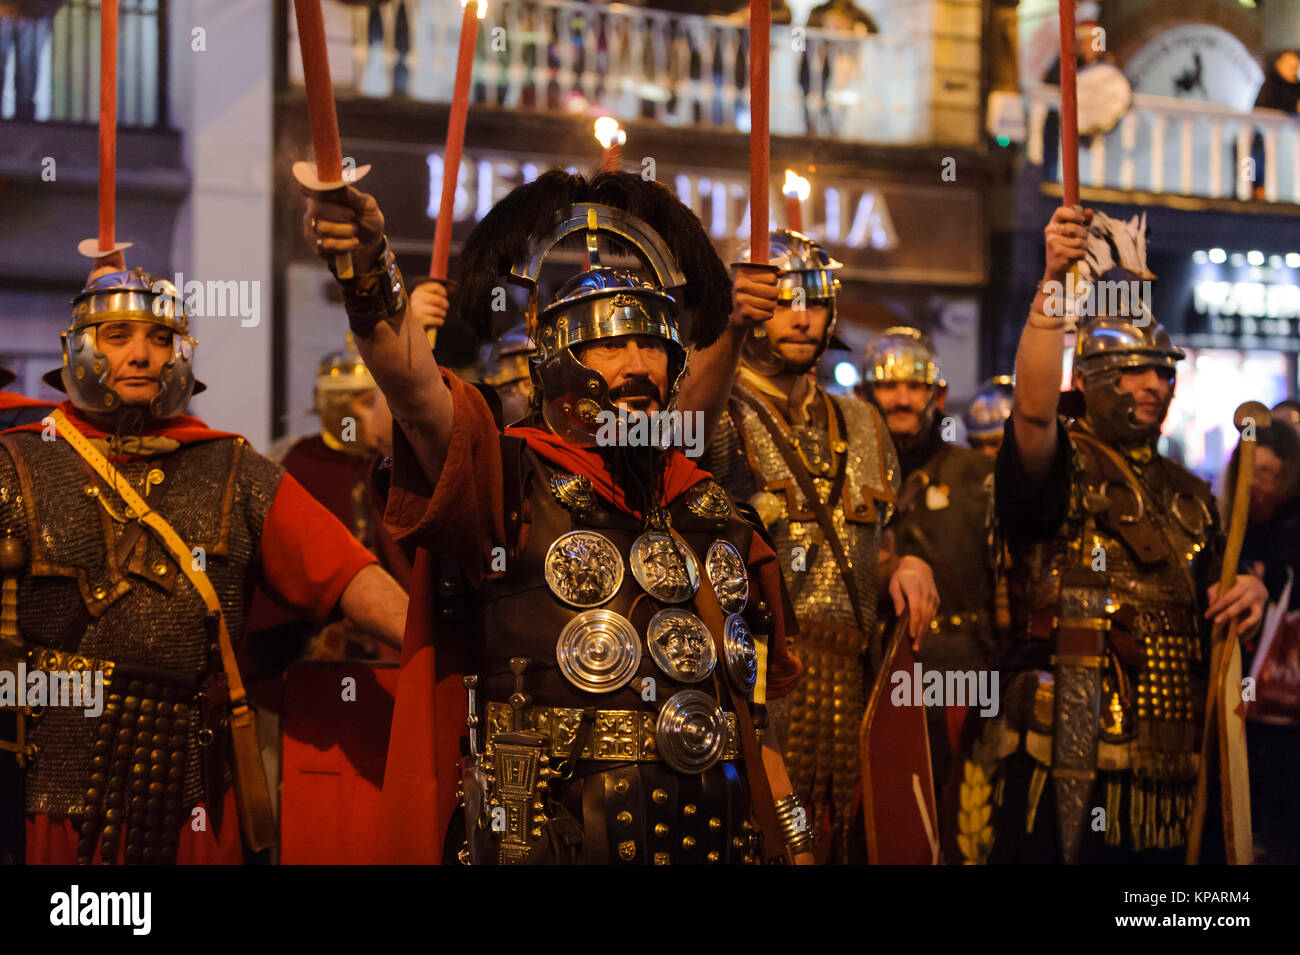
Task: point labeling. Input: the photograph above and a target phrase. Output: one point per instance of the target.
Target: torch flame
(482, 7)
(608, 131)
(796, 187)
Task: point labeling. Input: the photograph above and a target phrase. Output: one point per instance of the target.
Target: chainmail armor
(216, 496)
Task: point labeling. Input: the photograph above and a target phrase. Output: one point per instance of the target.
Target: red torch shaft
(1069, 107)
(320, 90)
(455, 141)
(760, 48)
(107, 124)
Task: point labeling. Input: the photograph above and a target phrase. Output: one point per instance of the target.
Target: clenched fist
(429, 304)
(1066, 237)
(753, 297)
(346, 220)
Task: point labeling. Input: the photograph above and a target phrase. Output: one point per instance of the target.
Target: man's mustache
(638, 388)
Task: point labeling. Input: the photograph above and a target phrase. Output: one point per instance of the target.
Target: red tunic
(305, 557)
(463, 517)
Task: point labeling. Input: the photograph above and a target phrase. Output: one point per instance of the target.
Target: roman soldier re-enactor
(987, 414)
(943, 517)
(822, 474)
(134, 534)
(1115, 562)
(609, 605)
(337, 467)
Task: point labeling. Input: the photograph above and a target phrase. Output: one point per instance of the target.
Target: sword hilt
(472, 720)
(518, 699)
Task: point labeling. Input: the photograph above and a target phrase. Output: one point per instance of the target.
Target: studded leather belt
(616, 735)
(960, 622)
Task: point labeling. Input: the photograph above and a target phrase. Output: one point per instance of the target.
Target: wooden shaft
(455, 142)
(1069, 107)
(760, 171)
(107, 124)
(1219, 643)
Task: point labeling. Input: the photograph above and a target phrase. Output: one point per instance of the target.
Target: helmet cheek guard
(806, 276)
(599, 303)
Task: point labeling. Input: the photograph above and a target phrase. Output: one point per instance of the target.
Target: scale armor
(821, 719)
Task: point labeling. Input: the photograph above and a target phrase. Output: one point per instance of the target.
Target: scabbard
(213, 736)
(13, 798)
(1080, 656)
(478, 830)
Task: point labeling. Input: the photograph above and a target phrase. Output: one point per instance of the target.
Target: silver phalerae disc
(741, 653)
(691, 731)
(583, 568)
(598, 651)
(665, 567)
(681, 645)
(727, 573)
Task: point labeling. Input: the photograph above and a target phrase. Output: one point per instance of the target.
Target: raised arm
(712, 371)
(389, 332)
(1042, 344)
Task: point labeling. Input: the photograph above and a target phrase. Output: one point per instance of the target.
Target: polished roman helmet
(133, 296)
(806, 275)
(340, 377)
(600, 303)
(679, 295)
(903, 353)
(1107, 344)
(988, 411)
(506, 370)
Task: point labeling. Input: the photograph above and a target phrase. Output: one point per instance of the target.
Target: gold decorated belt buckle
(626, 736)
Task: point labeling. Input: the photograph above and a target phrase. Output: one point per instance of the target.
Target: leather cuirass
(1140, 544)
(627, 803)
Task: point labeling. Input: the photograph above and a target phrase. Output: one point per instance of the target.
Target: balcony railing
(557, 56)
(49, 63)
(1176, 146)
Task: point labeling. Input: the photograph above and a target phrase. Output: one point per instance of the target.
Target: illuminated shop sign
(851, 215)
(1247, 295)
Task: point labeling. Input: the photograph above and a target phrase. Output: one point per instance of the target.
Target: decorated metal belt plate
(741, 652)
(583, 568)
(665, 567)
(598, 651)
(681, 645)
(691, 731)
(727, 573)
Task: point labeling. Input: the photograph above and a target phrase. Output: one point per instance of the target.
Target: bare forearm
(398, 355)
(710, 376)
(376, 603)
(1038, 385)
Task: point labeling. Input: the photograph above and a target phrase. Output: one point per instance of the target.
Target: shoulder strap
(814, 501)
(250, 777)
(1118, 462)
